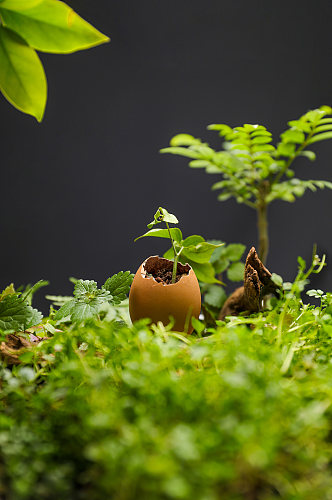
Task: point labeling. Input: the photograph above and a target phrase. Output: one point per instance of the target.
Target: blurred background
(79, 187)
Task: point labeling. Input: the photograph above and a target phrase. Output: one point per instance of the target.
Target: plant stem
(263, 234)
(176, 256)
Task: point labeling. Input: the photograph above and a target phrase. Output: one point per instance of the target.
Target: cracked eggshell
(158, 301)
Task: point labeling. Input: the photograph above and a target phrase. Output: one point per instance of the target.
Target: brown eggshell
(158, 301)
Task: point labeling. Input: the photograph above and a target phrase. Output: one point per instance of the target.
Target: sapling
(254, 171)
(193, 250)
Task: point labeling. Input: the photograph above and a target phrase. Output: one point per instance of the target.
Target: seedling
(193, 250)
(254, 171)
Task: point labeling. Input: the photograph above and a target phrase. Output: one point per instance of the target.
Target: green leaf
(192, 240)
(169, 254)
(320, 137)
(118, 286)
(65, 311)
(234, 251)
(308, 154)
(9, 290)
(204, 272)
(162, 215)
(184, 140)
(16, 314)
(163, 233)
(88, 300)
(22, 77)
(293, 136)
(31, 290)
(277, 279)
(235, 272)
(215, 296)
(189, 153)
(18, 4)
(201, 252)
(52, 26)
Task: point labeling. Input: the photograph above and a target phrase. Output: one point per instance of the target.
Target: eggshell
(159, 302)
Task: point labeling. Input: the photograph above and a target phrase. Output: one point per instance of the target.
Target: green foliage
(16, 313)
(225, 259)
(193, 250)
(250, 162)
(43, 25)
(89, 300)
(110, 411)
(254, 171)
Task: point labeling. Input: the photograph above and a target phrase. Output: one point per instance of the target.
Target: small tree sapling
(254, 171)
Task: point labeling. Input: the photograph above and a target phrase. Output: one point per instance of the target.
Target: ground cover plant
(101, 408)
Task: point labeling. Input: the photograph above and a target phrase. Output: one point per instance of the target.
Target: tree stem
(263, 234)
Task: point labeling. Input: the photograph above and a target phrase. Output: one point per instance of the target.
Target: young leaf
(22, 77)
(163, 233)
(118, 286)
(51, 26)
(9, 290)
(16, 314)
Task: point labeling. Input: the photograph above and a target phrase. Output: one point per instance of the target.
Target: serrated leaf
(163, 233)
(235, 272)
(119, 285)
(215, 296)
(9, 290)
(17, 315)
(52, 26)
(22, 77)
(65, 311)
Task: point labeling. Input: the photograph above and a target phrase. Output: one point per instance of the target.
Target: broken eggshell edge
(159, 302)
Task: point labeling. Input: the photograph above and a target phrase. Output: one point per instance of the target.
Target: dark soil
(161, 269)
(257, 284)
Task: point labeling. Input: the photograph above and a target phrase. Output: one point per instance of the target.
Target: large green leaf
(22, 77)
(19, 4)
(51, 26)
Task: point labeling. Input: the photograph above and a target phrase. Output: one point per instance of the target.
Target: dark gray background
(79, 187)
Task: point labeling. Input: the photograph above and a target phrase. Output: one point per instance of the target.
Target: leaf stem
(176, 255)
